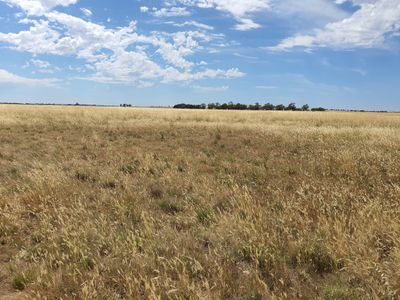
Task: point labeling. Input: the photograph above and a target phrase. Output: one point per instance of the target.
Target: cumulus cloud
(144, 9)
(240, 10)
(370, 26)
(39, 7)
(118, 55)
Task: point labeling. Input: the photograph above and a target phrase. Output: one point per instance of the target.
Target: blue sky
(331, 53)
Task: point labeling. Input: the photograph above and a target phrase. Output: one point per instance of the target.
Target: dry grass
(112, 203)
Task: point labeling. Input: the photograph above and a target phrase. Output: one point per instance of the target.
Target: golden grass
(114, 203)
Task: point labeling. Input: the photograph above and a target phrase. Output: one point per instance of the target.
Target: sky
(330, 53)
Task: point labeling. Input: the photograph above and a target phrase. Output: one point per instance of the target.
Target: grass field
(114, 203)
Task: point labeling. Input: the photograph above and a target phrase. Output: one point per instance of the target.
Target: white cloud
(10, 78)
(246, 24)
(240, 10)
(40, 63)
(173, 75)
(144, 9)
(244, 56)
(87, 12)
(266, 87)
(359, 71)
(310, 11)
(41, 66)
(118, 55)
(39, 7)
(370, 26)
(236, 8)
(194, 24)
(171, 12)
(208, 89)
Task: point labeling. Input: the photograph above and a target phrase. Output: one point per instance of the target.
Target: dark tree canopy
(239, 106)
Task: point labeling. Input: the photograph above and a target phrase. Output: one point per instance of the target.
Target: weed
(110, 184)
(170, 207)
(340, 293)
(84, 177)
(131, 168)
(204, 215)
(156, 191)
(247, 142)
(316, 257)
(19, 282)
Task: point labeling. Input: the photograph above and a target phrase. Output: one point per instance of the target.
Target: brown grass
(113, 203)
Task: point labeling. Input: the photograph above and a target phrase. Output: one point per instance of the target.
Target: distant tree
(181, 105)
(268, 106)
(318, 109)
(256, 106)
(239, 106)
(291, 106)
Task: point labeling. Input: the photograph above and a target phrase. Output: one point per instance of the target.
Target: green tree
(291, 106)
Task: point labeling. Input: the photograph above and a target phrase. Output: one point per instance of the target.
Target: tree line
(257, 106)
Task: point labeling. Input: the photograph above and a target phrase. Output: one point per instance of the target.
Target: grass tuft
(170, 207)
(19, 282)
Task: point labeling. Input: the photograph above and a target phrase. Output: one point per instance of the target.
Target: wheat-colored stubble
(127, 203)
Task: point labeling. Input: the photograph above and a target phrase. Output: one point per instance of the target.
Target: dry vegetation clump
(113, 203)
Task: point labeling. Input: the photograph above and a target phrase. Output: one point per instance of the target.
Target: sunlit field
(128, 203)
